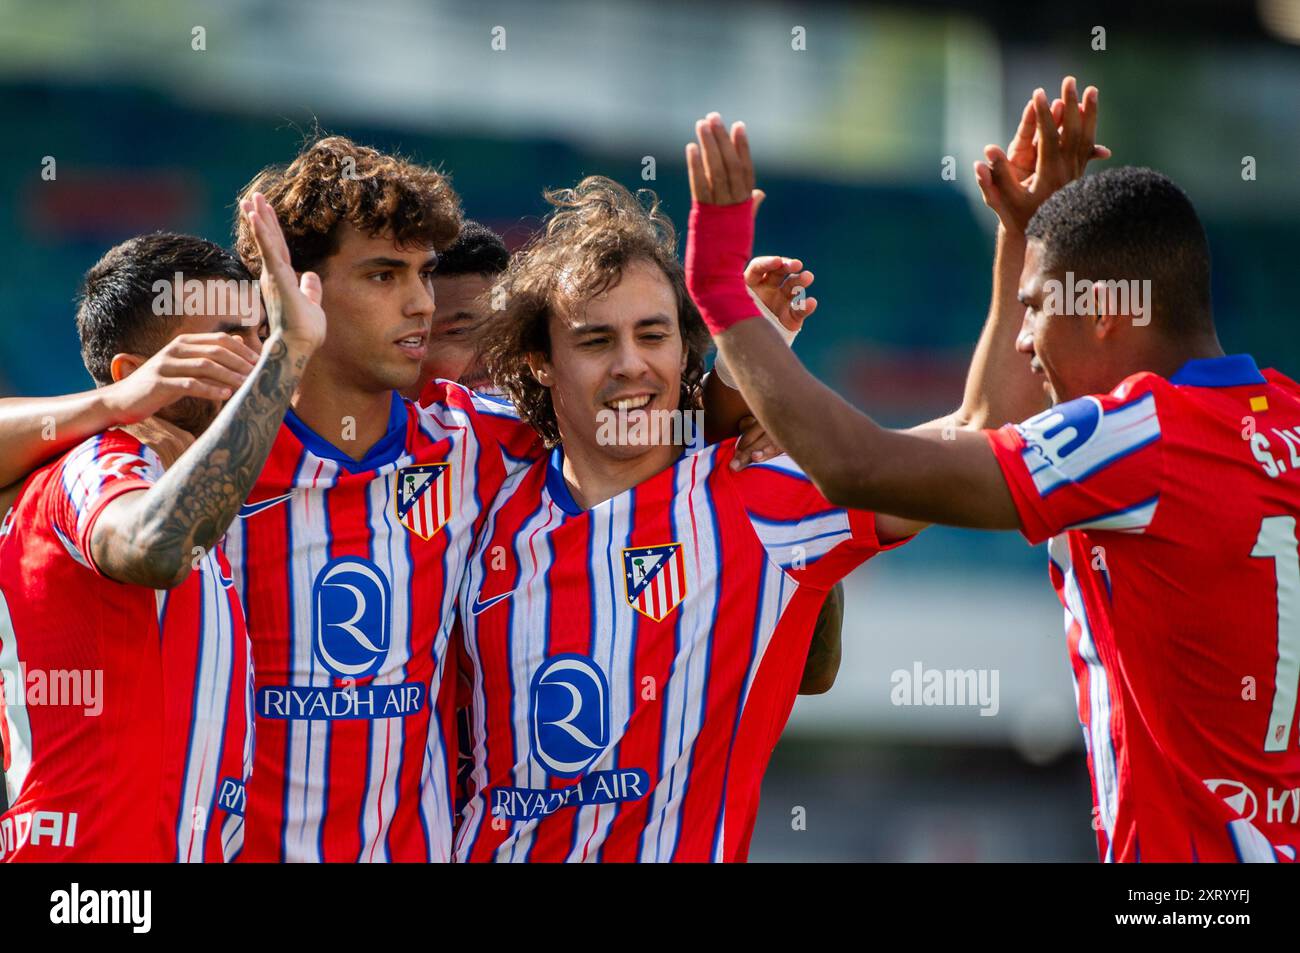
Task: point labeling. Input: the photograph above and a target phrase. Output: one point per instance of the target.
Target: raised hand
(719, 165)
(1052, 146)
(720, 238)
(780, 283)
(292, 304)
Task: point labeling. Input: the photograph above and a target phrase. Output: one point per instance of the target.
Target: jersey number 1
(1277, 541)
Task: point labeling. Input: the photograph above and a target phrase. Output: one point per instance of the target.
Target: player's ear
(1102, 319)
(541, 369)
(124, 364)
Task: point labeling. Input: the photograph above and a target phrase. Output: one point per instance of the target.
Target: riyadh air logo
(424, 498)
(1062, 430)
(350, 617)
(655, 579)
(568, 712)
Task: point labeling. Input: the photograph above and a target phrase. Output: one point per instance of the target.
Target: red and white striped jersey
(634, 664)
(1172, 507)
(349, 572)
(125, 720)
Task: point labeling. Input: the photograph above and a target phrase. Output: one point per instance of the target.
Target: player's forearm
(923, 475)
(799, 412)
(185, 513)
(34, 429)
(1000, 387)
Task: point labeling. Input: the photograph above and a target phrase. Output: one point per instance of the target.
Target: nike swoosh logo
(252, 509)
(486, 604)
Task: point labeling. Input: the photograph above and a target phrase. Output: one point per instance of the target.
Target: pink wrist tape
(718, 246)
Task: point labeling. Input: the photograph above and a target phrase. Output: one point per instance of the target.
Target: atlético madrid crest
(424, 498)
(655, 579)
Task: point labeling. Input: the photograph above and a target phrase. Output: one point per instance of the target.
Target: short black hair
(478, 251)
(115, 313)
(1132, 223)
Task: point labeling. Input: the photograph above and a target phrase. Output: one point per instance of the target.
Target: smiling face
(621, 352)
(378, 301)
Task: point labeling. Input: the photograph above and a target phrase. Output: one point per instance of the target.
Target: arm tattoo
(196, 500)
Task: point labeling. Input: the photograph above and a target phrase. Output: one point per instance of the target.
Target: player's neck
(1166, 359)
(349, 419)
(594, 477)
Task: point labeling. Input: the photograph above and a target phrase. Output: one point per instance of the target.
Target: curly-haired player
(636, 618)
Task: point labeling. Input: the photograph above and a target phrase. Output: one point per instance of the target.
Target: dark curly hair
(594, 231)
(477, 251)
(334, 180)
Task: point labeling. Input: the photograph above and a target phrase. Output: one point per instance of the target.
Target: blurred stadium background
(850, 136)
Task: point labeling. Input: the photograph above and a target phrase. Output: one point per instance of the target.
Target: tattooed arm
(827, 642)
(149, 536)
(35, 429)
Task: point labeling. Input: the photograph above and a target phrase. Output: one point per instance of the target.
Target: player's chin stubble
(191, 414)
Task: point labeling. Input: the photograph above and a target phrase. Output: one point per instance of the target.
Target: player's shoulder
(1073, 439)
(718, 456)
(110, 450)
(1135, 387)
(78, 476)
(439, 392)
(778, 482)
(1282, 382)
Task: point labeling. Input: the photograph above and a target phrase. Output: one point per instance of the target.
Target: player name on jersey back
(1172, 509)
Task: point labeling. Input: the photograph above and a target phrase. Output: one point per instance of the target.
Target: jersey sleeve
(1093, 463)
(805, 534)
(496, 422)
(92, 476)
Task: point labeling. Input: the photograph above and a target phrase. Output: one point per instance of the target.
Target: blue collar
(1231, 370)
(390, 446)
(556, 486)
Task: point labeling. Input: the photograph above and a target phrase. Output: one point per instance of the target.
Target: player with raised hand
(1165, 477)
(351, 545)
(112, 578)
(637, 619)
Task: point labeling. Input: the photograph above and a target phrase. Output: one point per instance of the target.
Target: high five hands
(1052, 147)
